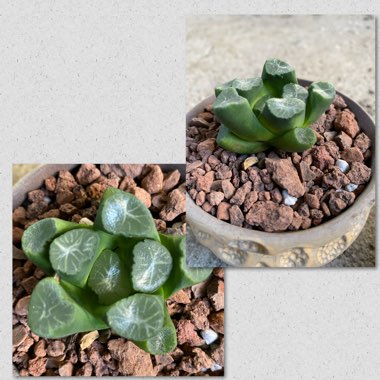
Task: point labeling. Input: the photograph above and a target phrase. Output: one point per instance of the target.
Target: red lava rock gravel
(280, 191)
(72, 196)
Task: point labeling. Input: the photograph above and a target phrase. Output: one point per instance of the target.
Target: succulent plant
(271, 110)
(116, 273)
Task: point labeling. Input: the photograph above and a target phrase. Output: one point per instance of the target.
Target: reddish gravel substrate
(195, 311)
(274, 190)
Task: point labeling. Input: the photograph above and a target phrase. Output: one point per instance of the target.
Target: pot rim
(208, 221)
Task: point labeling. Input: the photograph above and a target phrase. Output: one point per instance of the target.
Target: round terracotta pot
(314, 247)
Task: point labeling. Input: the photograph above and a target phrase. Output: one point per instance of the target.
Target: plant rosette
(255, 203)
(117, 274)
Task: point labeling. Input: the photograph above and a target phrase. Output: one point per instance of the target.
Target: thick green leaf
(73, 254)
(236, 114)
(296, 140)
(138, 317)
(36, 240)
(321, 95)
(251, 89)
(227, 140)
(276, 74)
(108, 278)
(292, 90)
(260, 104)
(280, 115)
(54, 314)
(122, 214)
(152, 264)
(162, 343)
(181, 275)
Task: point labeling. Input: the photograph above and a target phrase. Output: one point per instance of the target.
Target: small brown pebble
(65, 181)
(171, 180)
(339, 201)
(175, 206)
(250, 199)
(29, 283)
(85, 370)
(316, 214)
(240, 194)
(17, 235)
(37, 366)
(186, 333)
(215, 293)
(36, 196)
(66, 369)
(216, 321)
(50, 183)
(296, 222)
(40, 348)
(352, 155)
(201, 198)
(312, 201)
(26, 344)
(325, 209)
(141, 195)
(87, 174)
(335, 178)
(180, 297)
(204, 183)
(223, 211)
(19, 334)
(19, 215)
(359, 173)
(21, 307)
(362, 142)
(236, 216)
(153, 181)
(343, 140)
(68, 209)
(215, 197)
(321, 157)
(227, 188)
(65, 196)
(35, 209)
(345, 121)
(55, 348)
(270, 216)
(305, 172)
(306, 223)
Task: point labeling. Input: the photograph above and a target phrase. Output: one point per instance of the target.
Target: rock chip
(359, 173)
(153, 181)
(197, 312)
(353, 154)
(21, 307)
(362, 142)
(215, 197)
(223, 211)
(240, 194)
(236, 216)
(215, 293)
(305, 172)
(37, 366)
(343, 140)
(312, 201)
(55, 348)
(335, 179)
(142, 195)
(339, 201)
(132, 360)
(285, 175)
(270, 216)
(186, 333)
(87, 174)
(216, 321)
(175, 205)
(321, 157)
(66, 369)
(204, 183)
(171, 180)
(345, 121)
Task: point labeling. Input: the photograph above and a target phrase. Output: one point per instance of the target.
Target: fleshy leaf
(152, 264)
(162, 343)
(296, 140)
(235, 113)
(73, 254)
(321, 95)
(227, 140)
(280, 115)
(54, 314)
(36, 240)
(276, 74)
(108, 278)
(181, 275)
(260, 104)
(122, 214)
(251, 89)
(292, 90)
(137, 317)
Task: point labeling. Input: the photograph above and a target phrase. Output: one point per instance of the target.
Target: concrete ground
(339, 49)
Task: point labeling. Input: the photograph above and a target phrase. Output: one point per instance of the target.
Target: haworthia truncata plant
(115, 274)
(271, 110)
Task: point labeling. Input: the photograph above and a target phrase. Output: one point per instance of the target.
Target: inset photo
(100, 281)
(280, 141)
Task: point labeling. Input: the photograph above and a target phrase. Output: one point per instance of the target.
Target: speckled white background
(104, 81)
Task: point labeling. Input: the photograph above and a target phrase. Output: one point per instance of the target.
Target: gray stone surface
(220, 48)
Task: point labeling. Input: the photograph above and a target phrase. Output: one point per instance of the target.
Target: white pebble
(351, 187)
(215, 367)
(342, 165)
(209, 336)
(288, 199)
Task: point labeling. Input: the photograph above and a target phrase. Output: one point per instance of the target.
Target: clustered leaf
(115, 274)
(271, 110)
